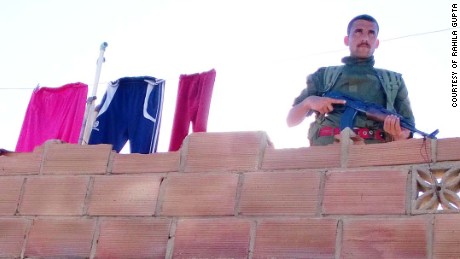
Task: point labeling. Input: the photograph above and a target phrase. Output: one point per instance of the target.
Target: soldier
(357, 78)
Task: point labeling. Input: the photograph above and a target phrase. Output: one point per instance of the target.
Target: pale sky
(262, 52)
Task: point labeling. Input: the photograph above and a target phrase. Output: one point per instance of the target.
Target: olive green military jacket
(324, 80)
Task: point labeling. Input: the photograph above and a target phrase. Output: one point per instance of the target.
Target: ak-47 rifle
(373, 111)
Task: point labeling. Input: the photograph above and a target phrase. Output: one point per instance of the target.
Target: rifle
(373, 111)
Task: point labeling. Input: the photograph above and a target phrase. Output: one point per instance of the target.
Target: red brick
(124, 195)
(212, 238)
(76, 159)
(448, 149)
(12, 232)
(446, 236)
(295, 158)
(10, 190)
(365, 192)
(295, 238)
(385, 238)
(54, 195)
(20, 163)
(412, 151)
(146, 163)
(231, 151)
(281, 193)
(200, 194)
(138, 237)
(60, 238)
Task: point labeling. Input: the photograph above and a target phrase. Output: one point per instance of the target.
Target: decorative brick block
(54, 195)
(385, 238)
(365, 192)
(20, 163)
(10, 190)
(12, 233)
(76, 159)
(295, 238)
(446, 236)
(124, 195)
(212, 238)
(435, 189)
(231, 151)
(282, 193)
(133, 237)
(146, 163)
(60, 238)
(296, 158)
(199, 194)
(412, 151)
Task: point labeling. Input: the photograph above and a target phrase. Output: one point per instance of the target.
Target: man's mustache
(364, 44)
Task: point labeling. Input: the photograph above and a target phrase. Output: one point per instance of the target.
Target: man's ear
(346, 40)
(377, 42)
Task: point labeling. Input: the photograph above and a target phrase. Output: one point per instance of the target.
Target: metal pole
(88, 119)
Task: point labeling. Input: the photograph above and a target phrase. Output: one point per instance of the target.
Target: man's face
(362, 40)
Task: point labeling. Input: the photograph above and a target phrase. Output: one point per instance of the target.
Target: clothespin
(156, 82)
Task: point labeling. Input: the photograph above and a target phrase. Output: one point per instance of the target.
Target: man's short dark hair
(365, 17)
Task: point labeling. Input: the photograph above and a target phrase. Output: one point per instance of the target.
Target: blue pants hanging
(130, 110)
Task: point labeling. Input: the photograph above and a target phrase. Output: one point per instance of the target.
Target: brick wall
(233, 195)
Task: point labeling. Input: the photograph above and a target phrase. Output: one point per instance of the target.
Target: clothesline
(20, 88)
(313, 54)
(32, 88)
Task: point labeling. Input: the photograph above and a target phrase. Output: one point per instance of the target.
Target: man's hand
(392, 126)
(322, 104)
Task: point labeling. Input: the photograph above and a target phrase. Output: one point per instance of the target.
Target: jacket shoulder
(388, 74)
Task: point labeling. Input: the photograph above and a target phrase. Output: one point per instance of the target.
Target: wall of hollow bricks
(233, 195)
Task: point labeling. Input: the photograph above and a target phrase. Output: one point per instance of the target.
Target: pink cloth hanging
(193, 102)
(53, 113)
